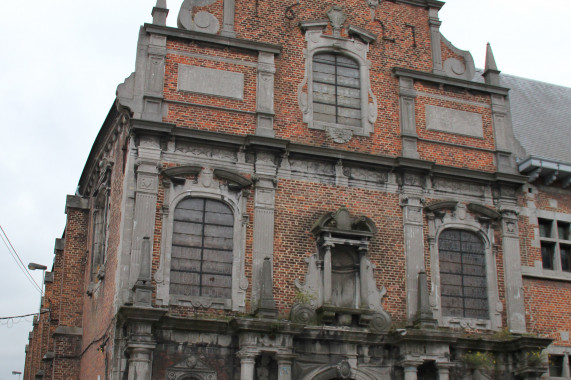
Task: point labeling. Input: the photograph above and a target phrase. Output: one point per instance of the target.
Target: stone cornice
(213, 38)
(423, 3)
(393, 163)
(441, 79)
(103, 136)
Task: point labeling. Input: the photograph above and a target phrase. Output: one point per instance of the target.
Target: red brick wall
(548, 305)
(99, 309)
(270, 25)
(548, 308)
(300, 204)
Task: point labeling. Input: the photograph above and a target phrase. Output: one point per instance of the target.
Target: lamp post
(35, 266)
(17, 373)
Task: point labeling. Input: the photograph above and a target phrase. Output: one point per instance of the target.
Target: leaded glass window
(202, 243)
(463, 274)
(336, 90)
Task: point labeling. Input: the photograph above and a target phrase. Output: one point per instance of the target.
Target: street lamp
(17, 373)
(35, 266)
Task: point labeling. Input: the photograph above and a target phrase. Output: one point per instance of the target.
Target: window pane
(563, 230)
(336, 90)
(547, 250)
(565, 257)
(201, 254)
(463, 274)
(555, 365)
(545, 228)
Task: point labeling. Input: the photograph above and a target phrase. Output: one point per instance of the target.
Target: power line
(22, 316)
(18, 260)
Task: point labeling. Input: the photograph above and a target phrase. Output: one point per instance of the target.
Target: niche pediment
(191, 368)
(343, 223)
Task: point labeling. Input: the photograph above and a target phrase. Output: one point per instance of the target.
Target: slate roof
(541, 116)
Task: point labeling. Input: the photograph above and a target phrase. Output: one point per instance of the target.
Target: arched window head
(464, 288)
(336, 89)
(202, 243)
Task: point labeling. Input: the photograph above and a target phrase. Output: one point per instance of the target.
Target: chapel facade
(311, 190)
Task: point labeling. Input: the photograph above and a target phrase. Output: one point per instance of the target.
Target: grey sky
(61, 62)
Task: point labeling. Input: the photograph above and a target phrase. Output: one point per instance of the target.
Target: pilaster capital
(247, 355)
(410, 364)
(284, 358)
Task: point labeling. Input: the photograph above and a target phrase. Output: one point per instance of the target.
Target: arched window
(202, 243)
(336, 89)
(463, 279)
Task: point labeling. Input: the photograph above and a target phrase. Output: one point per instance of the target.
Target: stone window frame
(100, 209)
(206, 187)
(537, 270)
(555, 240)
(461, 273)
(100, 219)
(354, 48)
(460, 219)
(565, 352)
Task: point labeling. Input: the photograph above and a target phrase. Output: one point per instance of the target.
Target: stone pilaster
(512, 268)
(154, 78)
(414, 249)
(566, 367)
(140, 339)
(228, 18)
(284, 366)
(265, 95)
(264, 201)
(247, 365)
(407, 96)
(147, 186)
(444, 370)
(140, 361)
(435, 41)
(503, 134)
(410, 368)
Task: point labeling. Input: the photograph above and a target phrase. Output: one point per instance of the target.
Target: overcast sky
(61, 61)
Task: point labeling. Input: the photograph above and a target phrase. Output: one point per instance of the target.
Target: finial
(267, 307)
(160, 12)
(491, 72)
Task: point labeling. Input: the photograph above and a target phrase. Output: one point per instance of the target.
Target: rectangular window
(556, 365)
(554, 238)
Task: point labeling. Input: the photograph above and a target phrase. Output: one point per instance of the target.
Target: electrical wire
(23, 316)
(18, 260)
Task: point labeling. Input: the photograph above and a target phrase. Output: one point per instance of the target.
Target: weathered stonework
(327, 249)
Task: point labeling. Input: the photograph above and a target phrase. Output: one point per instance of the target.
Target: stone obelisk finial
(491, 72)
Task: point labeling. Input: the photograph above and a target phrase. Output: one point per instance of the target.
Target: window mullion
(336, 93)
(202, 247)
(461, 253)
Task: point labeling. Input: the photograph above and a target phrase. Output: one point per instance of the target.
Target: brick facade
(348, 219)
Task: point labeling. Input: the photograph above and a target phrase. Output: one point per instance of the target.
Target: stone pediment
(342, 222)
(191, 368)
